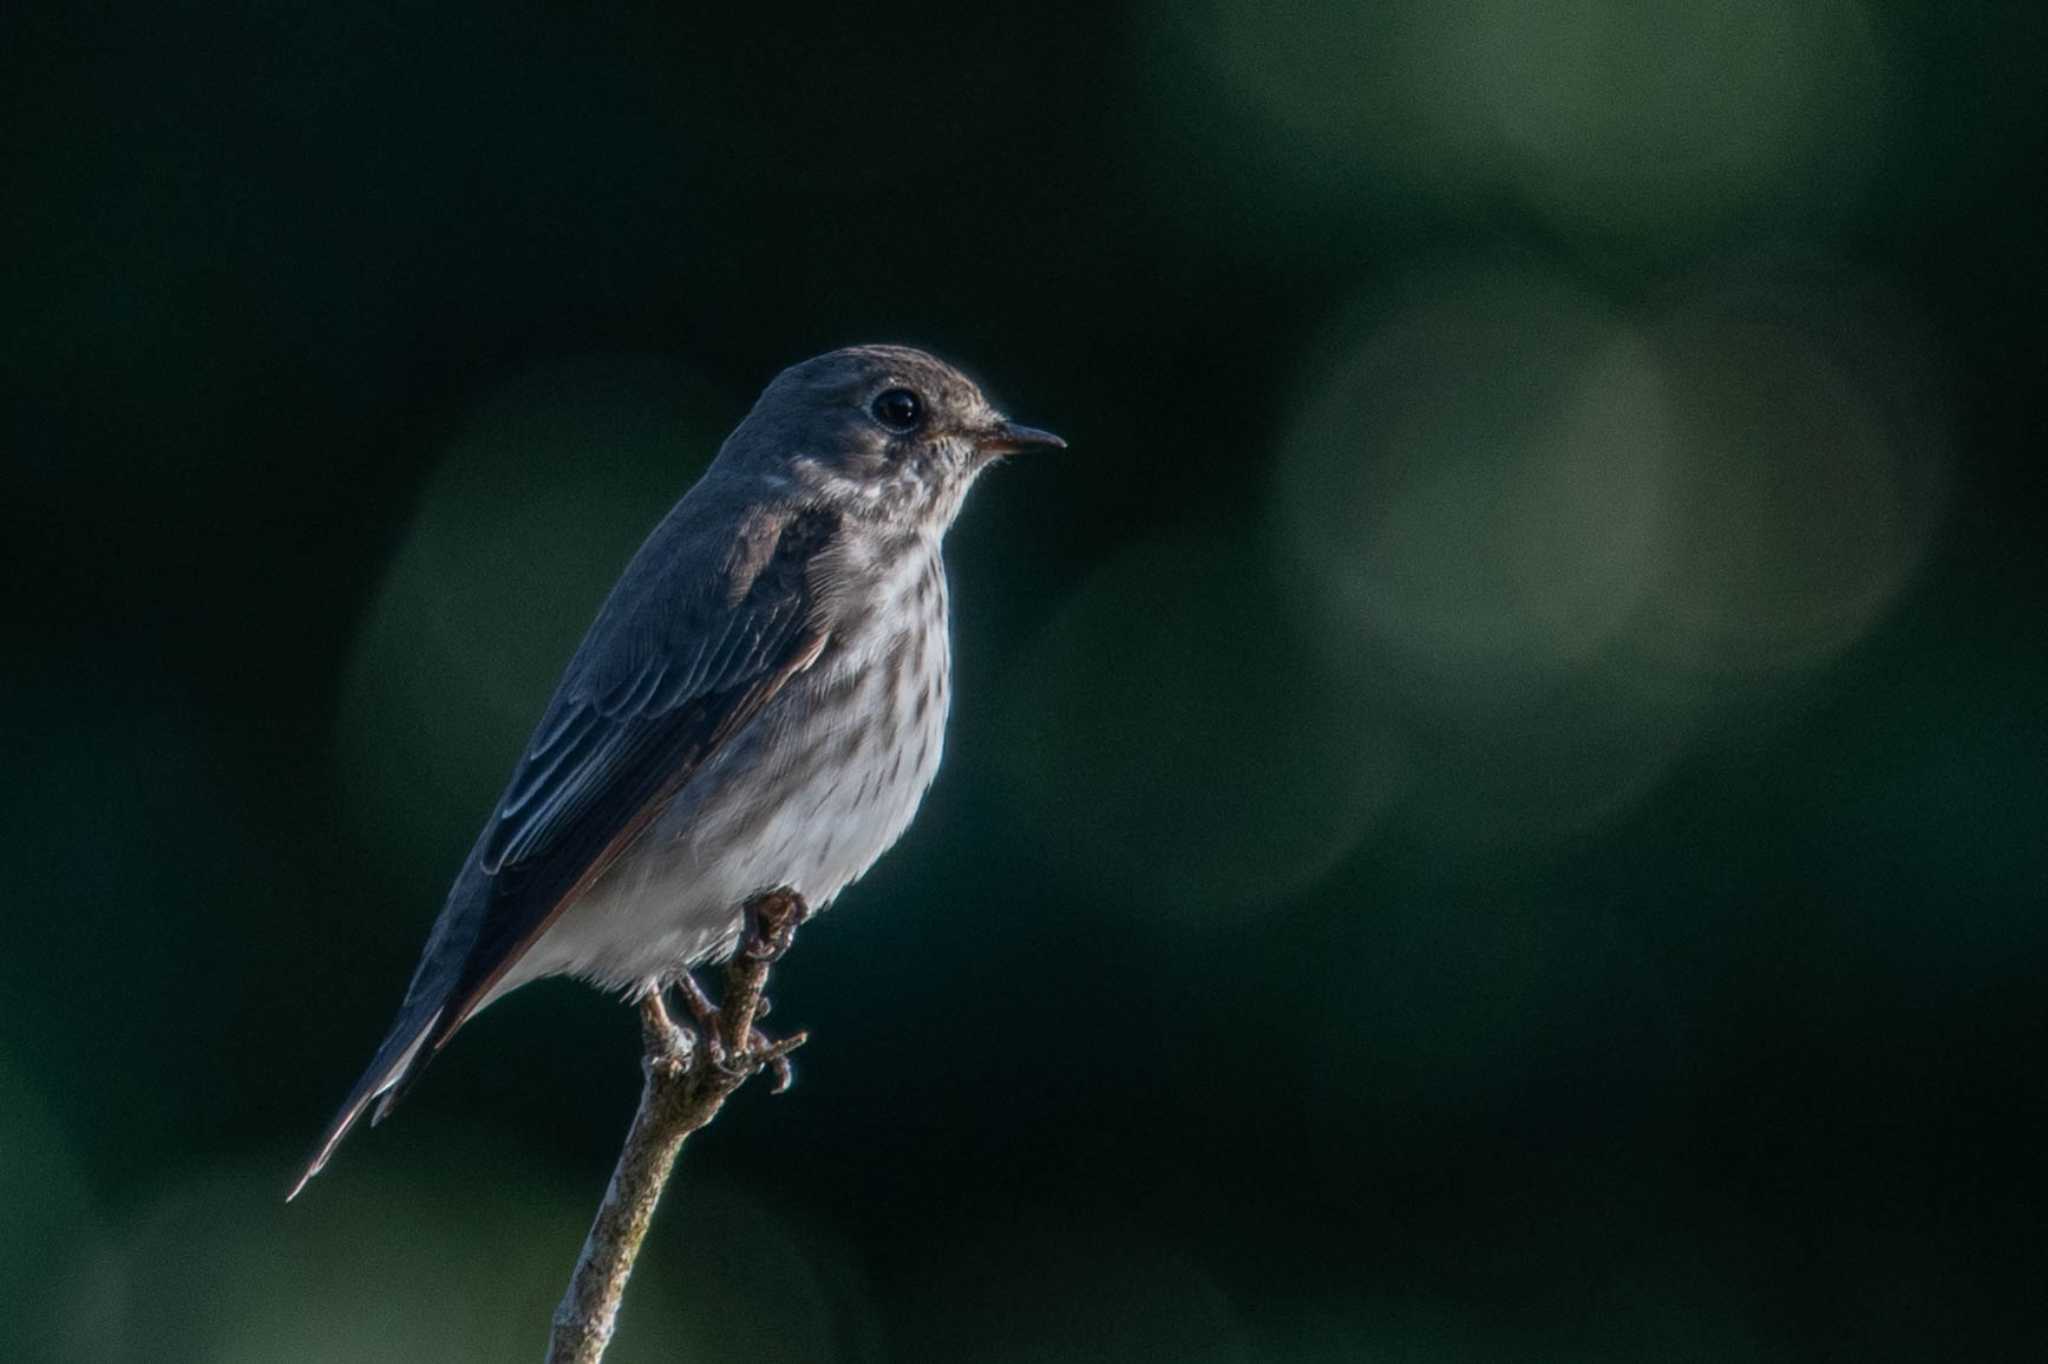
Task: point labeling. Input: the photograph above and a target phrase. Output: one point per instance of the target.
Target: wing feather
(708, 623)
(627, 727)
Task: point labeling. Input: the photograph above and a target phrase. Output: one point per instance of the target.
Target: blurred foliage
(1495, 807)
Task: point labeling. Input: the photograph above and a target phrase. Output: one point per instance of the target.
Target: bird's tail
(396, 1060)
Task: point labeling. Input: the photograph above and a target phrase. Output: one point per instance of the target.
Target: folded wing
(701, 633)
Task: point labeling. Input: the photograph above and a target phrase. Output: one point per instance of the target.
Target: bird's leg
(731, 1041)
(771, 924)
(666, 1043)
(725, 1035)
(704, 1013)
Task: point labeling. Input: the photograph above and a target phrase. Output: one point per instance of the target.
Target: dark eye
(899, 409)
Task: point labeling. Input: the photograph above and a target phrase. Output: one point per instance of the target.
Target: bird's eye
(899, 409)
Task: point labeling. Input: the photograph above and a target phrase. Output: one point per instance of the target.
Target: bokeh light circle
(518, 534)
(1659, 124)
(1471, 505)
(1812, 467)
(50, 1222)
(1478, 486)
(1549, 537)
(397, 1266)
(1172, 741)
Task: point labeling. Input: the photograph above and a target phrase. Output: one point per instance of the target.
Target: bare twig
(688, 1081)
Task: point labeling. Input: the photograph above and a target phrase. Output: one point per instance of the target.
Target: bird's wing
(702, 631)
(675, 666)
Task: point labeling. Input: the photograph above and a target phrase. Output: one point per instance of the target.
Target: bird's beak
(1007, 438)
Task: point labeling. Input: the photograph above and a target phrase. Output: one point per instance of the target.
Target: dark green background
(1416, 877)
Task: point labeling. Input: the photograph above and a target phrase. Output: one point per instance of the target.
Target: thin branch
(688, 1080)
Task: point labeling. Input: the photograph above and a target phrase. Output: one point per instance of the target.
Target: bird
(759, 704)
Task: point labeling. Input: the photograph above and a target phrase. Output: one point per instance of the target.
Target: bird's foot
(704, 1014)
(764, 1053)
(681, 1048)
(769, 926)
(706, 1039)
(670, 1047)
(772, 919)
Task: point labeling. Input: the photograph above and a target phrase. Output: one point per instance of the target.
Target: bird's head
(884, 434)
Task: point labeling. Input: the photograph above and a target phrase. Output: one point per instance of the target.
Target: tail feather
(401, 1084)
(398, 1057)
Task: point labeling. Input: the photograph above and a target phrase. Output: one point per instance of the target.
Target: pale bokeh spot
(1657, 123)
(381, 1266)
(1172, 742)
(51, 1222)
(518, 534)
(1472, 508)
(1478, 487)
(1813, 468)
(1551, 538)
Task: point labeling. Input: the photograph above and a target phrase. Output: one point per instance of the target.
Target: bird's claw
(725, 1038)
(771, 926)
(764, 1053)
(669, 1046)
(704, 1014)
(704, 1039)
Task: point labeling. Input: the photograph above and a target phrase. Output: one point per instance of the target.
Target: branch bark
(688, 1079)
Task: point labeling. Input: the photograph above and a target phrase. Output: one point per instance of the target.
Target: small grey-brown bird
(760, 704)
